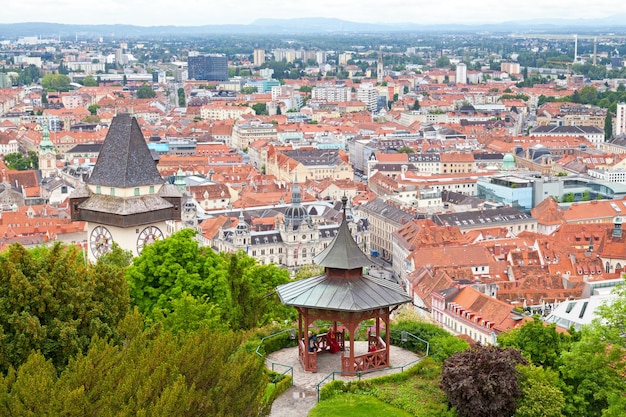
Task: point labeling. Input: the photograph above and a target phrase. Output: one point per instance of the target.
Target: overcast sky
(208, 12)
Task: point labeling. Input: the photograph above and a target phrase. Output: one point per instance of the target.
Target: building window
(98, 190)
(112, 191)
(152, 189)
(137, 191)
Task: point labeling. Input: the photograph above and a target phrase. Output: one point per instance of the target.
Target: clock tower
(125, 200)
(47, 154)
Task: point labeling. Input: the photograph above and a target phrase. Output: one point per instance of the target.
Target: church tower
(125, 200)
(379, 69)
(47, 154)
(298, 232)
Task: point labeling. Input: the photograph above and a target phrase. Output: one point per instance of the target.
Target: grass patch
(416, 391)
(353, 405)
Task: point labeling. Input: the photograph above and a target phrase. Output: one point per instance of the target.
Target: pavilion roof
(354, 295)
(343, 252)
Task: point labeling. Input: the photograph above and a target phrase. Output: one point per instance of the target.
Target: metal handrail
(265, 358)
(414, 337)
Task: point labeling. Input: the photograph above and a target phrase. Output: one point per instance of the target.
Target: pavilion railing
(404, 338)
(273, 365)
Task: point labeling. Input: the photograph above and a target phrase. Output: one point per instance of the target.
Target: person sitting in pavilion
(313, 345)
(332, 342)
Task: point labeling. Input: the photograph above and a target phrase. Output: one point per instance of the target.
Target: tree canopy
(483, 381)
(152, 373)
(54, 302)
(177, 282)
(541, 343)
(20, 162)
(56, 82)
(145, 91)
(90, 81)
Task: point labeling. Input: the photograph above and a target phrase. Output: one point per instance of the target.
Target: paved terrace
(302, 396)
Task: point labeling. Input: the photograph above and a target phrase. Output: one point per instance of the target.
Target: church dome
(508, 162)
(295, 214)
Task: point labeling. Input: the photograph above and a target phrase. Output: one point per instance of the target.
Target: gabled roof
(125, 160)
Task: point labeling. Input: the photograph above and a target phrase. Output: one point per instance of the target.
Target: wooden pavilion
(342, 294)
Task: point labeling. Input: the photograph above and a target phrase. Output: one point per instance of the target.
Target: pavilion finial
(344, 201)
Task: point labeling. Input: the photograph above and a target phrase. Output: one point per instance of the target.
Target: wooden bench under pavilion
(342, 294)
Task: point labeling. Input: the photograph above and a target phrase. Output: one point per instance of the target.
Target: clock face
(100, 241)
(147, 236)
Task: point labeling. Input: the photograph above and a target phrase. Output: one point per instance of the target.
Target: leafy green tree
(442, 62)
(20, 162)
(540, 393)
(260, 109)
(406, 149)
(93, 109)
(29, 75)
(63, 68)
(56, 82)
(90, 81)
(54, 302)
(307, 271)
(608, 126)
(152, 373)
(541, 343)
(416, 105)
(482, 381)
(306, 89)
(145, 91)
(442, 347)
(91, 119)
(592, 371)
(228, 290)
(587, 94)
(249, 90)
(181, 97)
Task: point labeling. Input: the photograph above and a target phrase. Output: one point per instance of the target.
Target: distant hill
(616, 23)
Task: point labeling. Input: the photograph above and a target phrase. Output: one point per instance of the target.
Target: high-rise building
(320, 57)
(331, 93)
(259, 57)
(368, 94)
(620, 123)
(208, 67)
(461, 73)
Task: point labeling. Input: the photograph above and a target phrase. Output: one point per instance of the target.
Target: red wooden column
(351, 325)
(387, 331)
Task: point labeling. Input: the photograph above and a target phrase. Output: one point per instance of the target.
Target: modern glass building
(208, 67)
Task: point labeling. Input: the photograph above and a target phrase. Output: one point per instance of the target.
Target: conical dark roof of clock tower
(125, 160)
